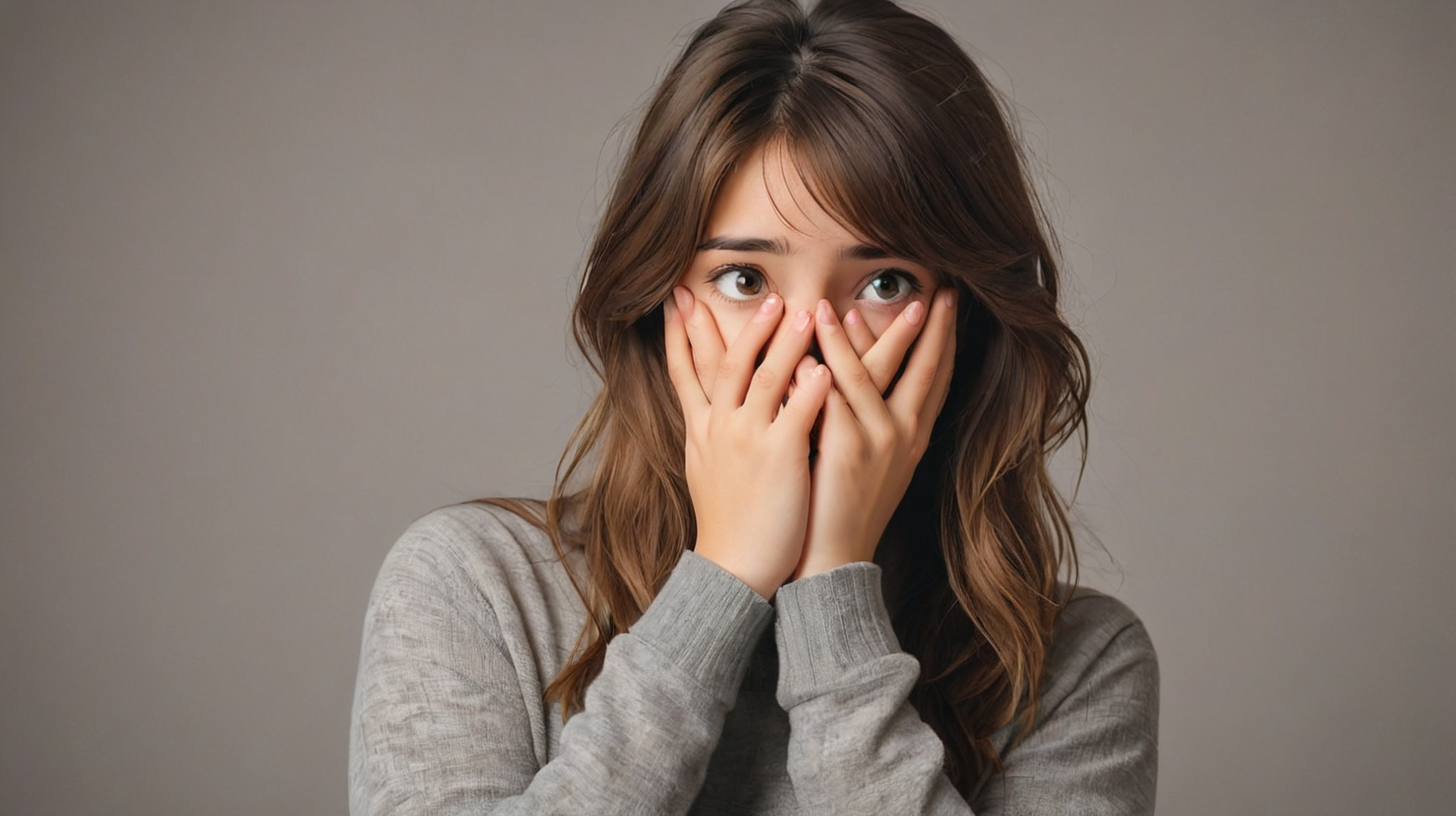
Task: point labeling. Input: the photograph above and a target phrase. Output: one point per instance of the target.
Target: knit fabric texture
(715, 702)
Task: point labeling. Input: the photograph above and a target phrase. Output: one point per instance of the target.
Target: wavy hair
(897, 133)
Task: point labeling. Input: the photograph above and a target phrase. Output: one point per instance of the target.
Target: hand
(881, 355)
(869, 445)
(704, 338)
(747, 449)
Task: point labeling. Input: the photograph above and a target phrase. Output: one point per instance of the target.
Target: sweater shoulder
(464, 554)
(1100, 658)
(1095, 634)
(481, 540)
(1091, 618)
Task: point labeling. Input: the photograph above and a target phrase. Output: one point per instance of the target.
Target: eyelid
(909, 278)
(913, 278)
(722, 270)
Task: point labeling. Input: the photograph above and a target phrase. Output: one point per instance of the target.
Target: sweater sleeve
(857, 745)
(441, 724)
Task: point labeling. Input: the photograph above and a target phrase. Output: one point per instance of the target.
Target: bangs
(856, 154)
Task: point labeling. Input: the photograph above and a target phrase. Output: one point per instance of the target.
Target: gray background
(279, 277)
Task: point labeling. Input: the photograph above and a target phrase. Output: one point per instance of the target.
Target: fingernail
(684, 300)
(948, 297)
(819, 371)
(767, 311)
(826, 313)
(801, 320)
(853, 318)
(914, 312)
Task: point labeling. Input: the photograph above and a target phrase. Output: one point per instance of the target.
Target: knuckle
(919, 446)
(764, 377)
(915, 440)
(858, 376)
(793, 410)
(882, 438)
(910, 430)
(712, 421)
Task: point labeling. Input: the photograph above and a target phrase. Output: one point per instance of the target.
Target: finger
(801, 372)
(730, 383)
(850, 376)
(883, 360)
(859, 332)
(930, 364)
(703, 337)
(802, 410)
(836, 409)
(806, 365)
(679, 361)
(940, 389)
(838, 422)
(771, 380)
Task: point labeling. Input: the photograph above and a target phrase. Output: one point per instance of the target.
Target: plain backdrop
(277, 278)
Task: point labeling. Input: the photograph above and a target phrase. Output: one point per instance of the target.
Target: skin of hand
(868, 480)
(869, 445)
(747, 447)
(881, 356)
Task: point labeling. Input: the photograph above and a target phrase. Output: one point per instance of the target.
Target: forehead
(766, 196)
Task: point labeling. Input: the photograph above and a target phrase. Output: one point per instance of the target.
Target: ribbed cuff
(707, 622)
(827, 624)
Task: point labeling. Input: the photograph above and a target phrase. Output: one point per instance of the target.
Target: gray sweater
(699, 708)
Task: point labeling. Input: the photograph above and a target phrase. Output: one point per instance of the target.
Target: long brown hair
(899, 135)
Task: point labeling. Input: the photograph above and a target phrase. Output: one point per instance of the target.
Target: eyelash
(728, 269)
(916, 287)
(905, 277)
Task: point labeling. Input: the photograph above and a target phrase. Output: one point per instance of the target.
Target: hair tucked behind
(898, 134)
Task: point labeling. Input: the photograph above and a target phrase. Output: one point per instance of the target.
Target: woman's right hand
(747, 448)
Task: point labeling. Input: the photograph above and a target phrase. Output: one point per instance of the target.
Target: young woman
(804, 555)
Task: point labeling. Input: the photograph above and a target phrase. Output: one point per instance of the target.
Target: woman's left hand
(870, 444)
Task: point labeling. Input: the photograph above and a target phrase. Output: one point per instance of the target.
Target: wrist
(706, 622)
(815, 563)
(760, 579)
(828, 628)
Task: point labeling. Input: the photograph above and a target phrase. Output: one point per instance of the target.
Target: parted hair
(897, 133)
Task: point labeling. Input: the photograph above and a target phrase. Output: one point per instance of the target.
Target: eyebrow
(857, 252)
(775, 246)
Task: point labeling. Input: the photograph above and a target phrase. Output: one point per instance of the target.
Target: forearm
(440, 720)
(653, 716)
(857, 745)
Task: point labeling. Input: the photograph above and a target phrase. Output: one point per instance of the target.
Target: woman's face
(767, 234)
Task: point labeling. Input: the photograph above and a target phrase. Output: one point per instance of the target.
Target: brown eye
(740, 283)
(889, 287)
